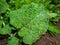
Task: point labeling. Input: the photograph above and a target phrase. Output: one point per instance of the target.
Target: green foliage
(53, 29)
(37, 23)
(3, 6)
(13, 41)
(57, 1)
(28, 20)
(5, 30)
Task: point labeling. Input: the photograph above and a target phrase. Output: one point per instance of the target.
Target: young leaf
(17, 3)
(56, 19)
(52, 14)
(28, 1)
(5, 30)
(13, 41)
(3, 6)
(53, 28)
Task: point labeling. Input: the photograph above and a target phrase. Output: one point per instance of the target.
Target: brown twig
(51, 40)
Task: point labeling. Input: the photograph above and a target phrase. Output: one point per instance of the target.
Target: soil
(46, 39)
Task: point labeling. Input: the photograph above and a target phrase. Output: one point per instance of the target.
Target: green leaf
(28, 1)
(52, 14)
(17, 3)
(0, 23)
(3, 6)
(37, 1)
(53, 28)
(32, 18)
(56, 18)
(22, 16)
(5, 30)
(13, 41)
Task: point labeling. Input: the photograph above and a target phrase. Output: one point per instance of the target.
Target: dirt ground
(47, 39)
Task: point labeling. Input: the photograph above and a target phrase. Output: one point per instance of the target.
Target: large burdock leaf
(3, 6)
(33, 21)
(24, 15)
